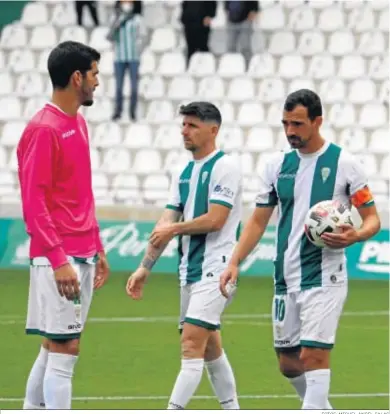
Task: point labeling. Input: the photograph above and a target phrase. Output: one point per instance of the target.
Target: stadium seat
(311, 43)
(13, 36)
(63, 15)
(128, 182)
(352, 5)
(383, 23)
(42, 61)
(274, 115)
(384, 92)
(369, 164)
(43, 37)
(241, 89)
(115, 160)
(156, 187)
(353, 139)
(260, 139)
(163, 40)
(379, 141)
(282, 43)
(291, 66)
(95, 158)
(261, 66)
(250, 114)
(231, 65)
(202, 64)
(13, 161)
(321, 4)
(271, 90)
(148, 63)
(34, 14)
(227, 111)
(352, 67)
(159, 111)
(281, 141)
(99, 40)
(75, 33)
(10, 108)
(3, 159)
(138, 136)
(6, 177)
(2, 60)
(32, 106)
(321, 67)
(107, 135)
(12, 132)
(246, 163)
(175, 161)
(361, 19)
(378, 68)
(171, 64)
(342, 115)
(181, 87)
(147, 161)
(371, 43)
(373, 115)
(301, 19)
(168, 137)
(384, 167)
(231, 138)
(379, 4)
(378, 187)
(211, 88)
(6, 84)
(99, 181)
(272, 19)
(154, 15)
(21, 60)
(341, 43)
(101, 111)
(155, 88)
(328, 133)
(29, 85)
(332, 90)
(361, 91)
(331, 19)
(303, 83)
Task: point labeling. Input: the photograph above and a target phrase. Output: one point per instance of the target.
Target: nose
(290, 130)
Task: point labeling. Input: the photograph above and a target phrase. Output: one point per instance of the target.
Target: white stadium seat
(261, 66)
(230, 138)
(13, 36)
(241, 89)
(99, 39)
(106, 64)
(163, 40)
(342, 115)
(383, 24)
(361, 91)
(63, 15)
(282, 43)
(378, 68)
(42, 61)
(371, 43)
(260, 139)
(12, 131)
(379, 141)
(274, 115)
(361, 19)
(10, 108)
(373, 115)
(168, 136)
(231, 65)
(341, 43)
(3, 158)
(369, 164)
(250, 114)
(155, 88)
(291, 66)
(21, 60)
(311, 43)
(156, 187)
(34, 14)
(32, 106)
(322, 66)
(379, 4)
(13, 161)
(331, 19)
(29, 85)
(6, 84)
(148, 63)
(171, 64)
(301, 18)
(160, 111)
(384, 91)
(352, 67)
(211, 88)
(147, 161)
(271, 90)
(116, 160)
(2, 60)
(353, 139)
(202, 64)
(272, 18)
(384, 167)
(75, 33)
(138, 136)
(154, 15)
(227, 111)
(302, 83)
(321, 4)
(332, 90)
(181, 87)
(107, 135)
(43, 37)
(101, 110)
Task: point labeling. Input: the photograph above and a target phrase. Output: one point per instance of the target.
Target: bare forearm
(370, 226)
(250, 236)
(152, 254)
(200, 225)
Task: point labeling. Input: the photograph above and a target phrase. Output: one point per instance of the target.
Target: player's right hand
(135, 283)
(228, 277)
(68, 284)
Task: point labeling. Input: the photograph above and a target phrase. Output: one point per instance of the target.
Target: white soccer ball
(325, 217)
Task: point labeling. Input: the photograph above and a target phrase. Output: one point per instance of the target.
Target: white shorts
(52, 315)
(202, 304)
(309, 318)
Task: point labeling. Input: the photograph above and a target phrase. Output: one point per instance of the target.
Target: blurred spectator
(196, 18)
(240, 17)
(92, 6)
(128, 34)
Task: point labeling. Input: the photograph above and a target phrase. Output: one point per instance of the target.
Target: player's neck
(203, 153)
(313, 146)
(65, 102)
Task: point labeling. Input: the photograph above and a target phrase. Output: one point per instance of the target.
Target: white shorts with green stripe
(308, 318)
(202, 304)
(51, 315)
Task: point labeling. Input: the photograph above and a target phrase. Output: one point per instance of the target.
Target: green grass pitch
(130, 350)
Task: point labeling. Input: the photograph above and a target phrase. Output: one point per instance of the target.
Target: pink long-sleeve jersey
(56, 187)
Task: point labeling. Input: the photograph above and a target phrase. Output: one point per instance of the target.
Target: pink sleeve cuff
(57, 257)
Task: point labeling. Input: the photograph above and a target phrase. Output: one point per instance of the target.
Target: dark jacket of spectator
(241, 10)
(194, 12)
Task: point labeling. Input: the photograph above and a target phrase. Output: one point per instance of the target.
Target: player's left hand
(102, 271)
(162, 235)
(347, 236)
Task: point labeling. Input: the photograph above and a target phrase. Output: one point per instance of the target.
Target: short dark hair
(306, 98)
(68, 57)
(205, 111)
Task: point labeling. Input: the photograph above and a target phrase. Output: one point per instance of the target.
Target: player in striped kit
(310, 283)
(207, 196)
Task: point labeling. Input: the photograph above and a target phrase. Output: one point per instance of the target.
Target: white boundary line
(205, 397)
(17, 319)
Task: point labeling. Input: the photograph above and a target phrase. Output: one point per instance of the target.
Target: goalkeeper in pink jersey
(67, 255)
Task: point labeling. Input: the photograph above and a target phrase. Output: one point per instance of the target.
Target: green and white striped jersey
(129, 40)
(213, 179)
(295, 182)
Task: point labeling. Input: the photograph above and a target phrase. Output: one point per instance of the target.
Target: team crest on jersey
(204, 176)
(325, 172)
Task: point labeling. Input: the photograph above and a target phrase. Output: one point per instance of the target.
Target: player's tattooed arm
(153, 253)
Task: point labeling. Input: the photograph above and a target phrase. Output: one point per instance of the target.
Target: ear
(77, 78)
(318, 121)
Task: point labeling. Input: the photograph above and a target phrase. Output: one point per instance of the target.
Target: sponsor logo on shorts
(74, 326)
(282, 342)
(333, 279)
(210, 274)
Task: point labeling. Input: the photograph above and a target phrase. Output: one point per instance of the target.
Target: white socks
(57, 384)
(222, 380)
(317, 390)
(34, 390)
(186, 383)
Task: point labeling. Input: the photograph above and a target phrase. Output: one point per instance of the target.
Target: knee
(314, 358)
(193, 342)
(212, 352)
(289, 365)
(69, 347)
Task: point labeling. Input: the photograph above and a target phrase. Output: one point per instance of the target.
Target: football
(325, 217)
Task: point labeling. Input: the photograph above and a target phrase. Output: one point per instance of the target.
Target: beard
(296, 142)
(87, 102)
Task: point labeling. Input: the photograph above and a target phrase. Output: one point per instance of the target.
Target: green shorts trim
(47, 335)
(202, 324)
(315, 344)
